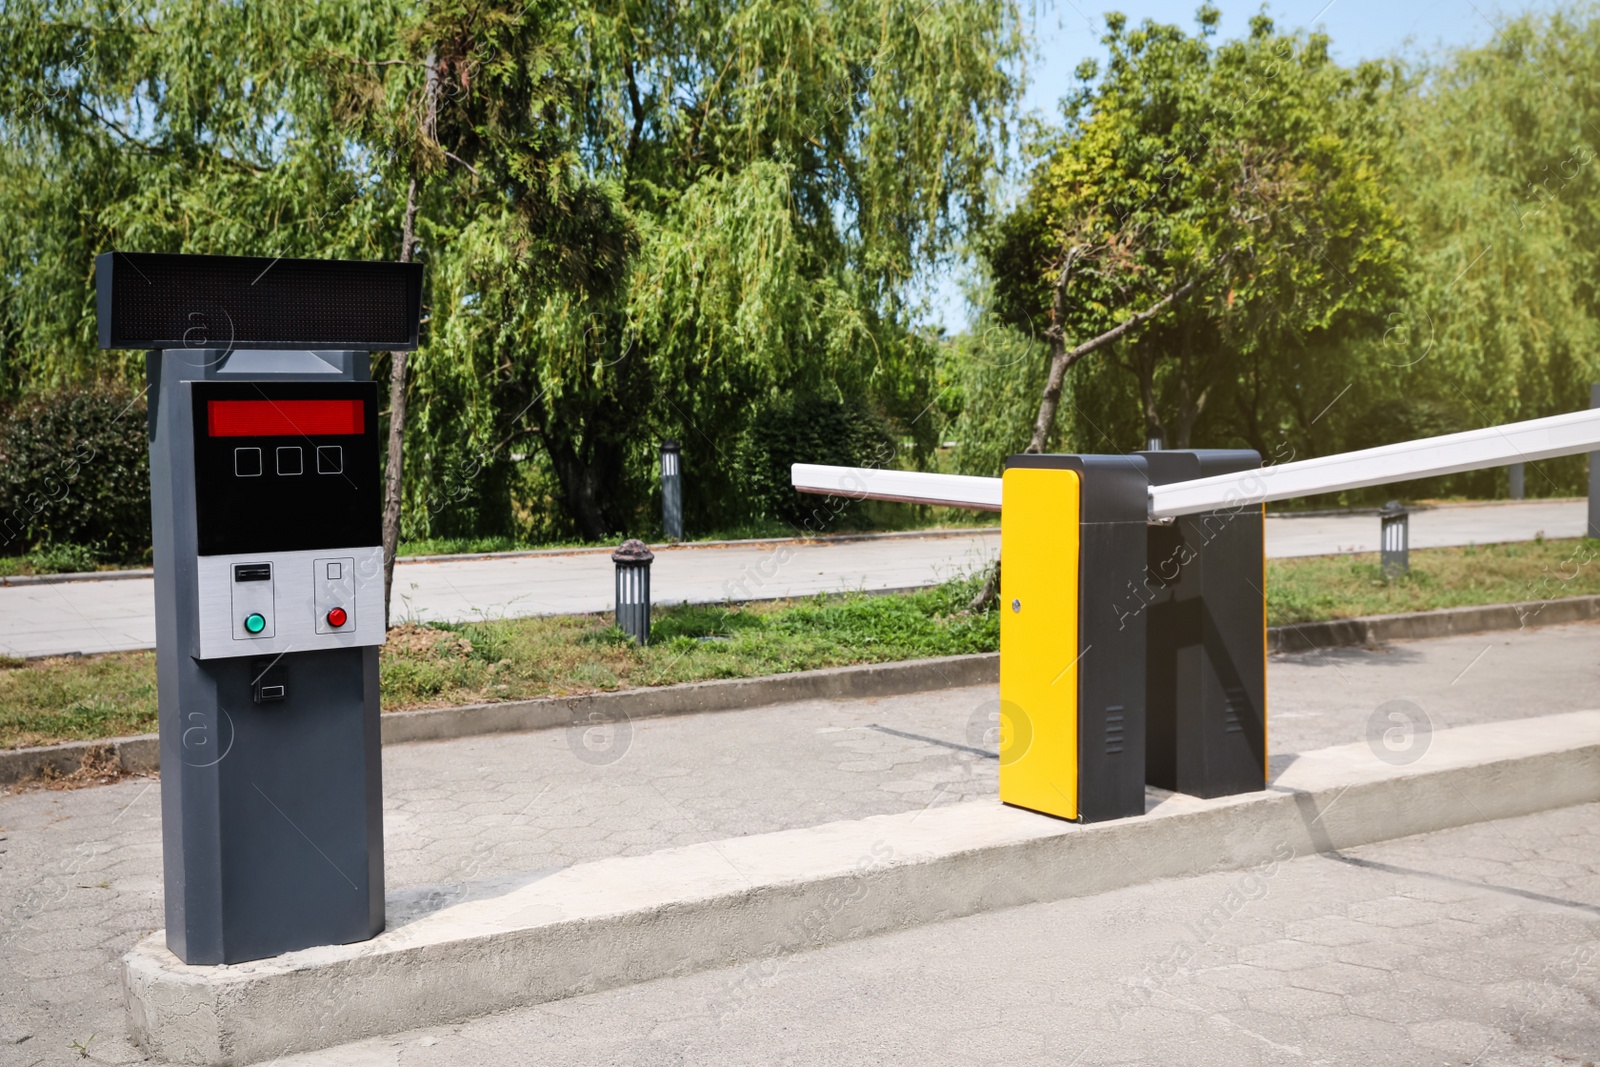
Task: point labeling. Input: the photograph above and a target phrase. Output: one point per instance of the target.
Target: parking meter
(266, 527)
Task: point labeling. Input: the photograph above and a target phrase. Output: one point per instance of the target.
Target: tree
(638, 219)
(1498, 177)
(774, 177)
(1208, 213)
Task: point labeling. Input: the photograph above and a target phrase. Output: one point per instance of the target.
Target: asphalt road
(105, 616)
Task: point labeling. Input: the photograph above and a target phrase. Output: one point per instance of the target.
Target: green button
(255, 622)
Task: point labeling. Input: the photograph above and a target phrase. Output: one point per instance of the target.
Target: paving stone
(1441, 907)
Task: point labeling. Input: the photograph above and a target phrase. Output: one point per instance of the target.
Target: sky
(1068, 31)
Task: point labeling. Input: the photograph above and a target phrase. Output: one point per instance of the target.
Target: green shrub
(806, 429)
(65, 559)
(75, 471)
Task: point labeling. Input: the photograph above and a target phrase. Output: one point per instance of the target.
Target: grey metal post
(671, 491)
(1395, 554)
(1516, 475)
(633, 559)
(1594, 473)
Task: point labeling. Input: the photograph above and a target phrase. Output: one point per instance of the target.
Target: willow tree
(181, 126)
(1499, 180)
(669, 212)
(637, 219)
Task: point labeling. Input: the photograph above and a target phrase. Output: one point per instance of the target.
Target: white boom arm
(911, 487)
(1495, 446)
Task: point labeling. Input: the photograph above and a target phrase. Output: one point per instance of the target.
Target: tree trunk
(1190, 406)
(393, 481)
(589, 483)
(393, 474)
(989, 592)
(1061, 358)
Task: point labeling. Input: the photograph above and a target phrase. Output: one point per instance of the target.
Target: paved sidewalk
(80, 871)
(1475, 946)
(108, 616)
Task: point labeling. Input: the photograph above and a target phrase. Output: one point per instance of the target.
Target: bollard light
(1395, 556)
(671, 491)
(633, 559)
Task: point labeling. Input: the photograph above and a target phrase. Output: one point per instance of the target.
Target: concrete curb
(1376, 629)
(75, 576)
(139, 754)
(458, 952)
(731, 694)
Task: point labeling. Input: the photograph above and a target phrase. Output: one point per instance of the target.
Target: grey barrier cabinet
(265, 514)
(1206, 676)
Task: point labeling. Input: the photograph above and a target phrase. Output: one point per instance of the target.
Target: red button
(337, 617)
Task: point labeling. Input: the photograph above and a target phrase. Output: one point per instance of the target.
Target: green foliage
(990, 380)
(1251, 169)
(1496, 179)
(638, 219)
(75, 472)
(1342, 587)
(64, 559)
(806, 429)
(1425, 262)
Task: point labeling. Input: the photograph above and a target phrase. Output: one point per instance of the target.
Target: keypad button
(330, 459)
(291, 460)
(247, 462)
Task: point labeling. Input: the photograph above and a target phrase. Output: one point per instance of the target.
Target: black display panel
(286, 466)
(155, 300)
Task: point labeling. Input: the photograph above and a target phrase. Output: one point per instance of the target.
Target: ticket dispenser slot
(253, 612)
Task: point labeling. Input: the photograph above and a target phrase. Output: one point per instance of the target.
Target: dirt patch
(415, 640)
(99, 765)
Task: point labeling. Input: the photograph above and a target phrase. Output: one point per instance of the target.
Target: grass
(1341, 587)
(64, 559)
(85, 698)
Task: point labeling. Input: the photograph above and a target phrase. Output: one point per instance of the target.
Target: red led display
(285, 418)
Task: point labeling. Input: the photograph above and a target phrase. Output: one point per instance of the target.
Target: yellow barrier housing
(1072, 665)
(1039, 640)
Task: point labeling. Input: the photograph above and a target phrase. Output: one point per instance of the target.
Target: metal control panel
(266, 603)
(287, 517)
